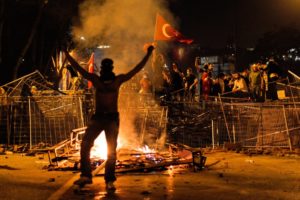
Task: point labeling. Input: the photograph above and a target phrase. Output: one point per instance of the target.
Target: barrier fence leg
(225, 120)
(287, 129)
(30, 124)
(213, 134)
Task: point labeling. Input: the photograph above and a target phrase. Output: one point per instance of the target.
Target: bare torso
(107, 96)
(107, 92)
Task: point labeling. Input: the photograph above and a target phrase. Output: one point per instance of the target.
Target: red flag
(164, 31)
(91, 68)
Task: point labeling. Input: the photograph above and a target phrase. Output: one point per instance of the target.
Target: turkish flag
(91, 64)
(164, 31)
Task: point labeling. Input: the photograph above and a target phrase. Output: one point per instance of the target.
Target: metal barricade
(39, 119)
(258, 125)
(143, 121)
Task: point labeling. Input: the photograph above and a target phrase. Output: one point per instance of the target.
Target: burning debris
(65, 156)
(133, 160)
(141, 159)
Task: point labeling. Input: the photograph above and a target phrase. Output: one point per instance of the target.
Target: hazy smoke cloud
(124, 25)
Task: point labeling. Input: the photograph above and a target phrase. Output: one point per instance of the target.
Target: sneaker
(110, 186)
(83, 180)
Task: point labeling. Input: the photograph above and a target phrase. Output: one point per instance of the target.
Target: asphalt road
(232, 176)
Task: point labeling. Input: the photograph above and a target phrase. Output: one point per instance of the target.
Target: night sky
(213, 22)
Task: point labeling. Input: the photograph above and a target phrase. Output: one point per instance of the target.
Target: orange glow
(181, 52)
(72, 53)
(146, 149)
(99, 149)
(171, 170)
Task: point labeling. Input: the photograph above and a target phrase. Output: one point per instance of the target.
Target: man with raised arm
(106, 116)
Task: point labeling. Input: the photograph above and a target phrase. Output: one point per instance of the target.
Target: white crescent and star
(164, 30)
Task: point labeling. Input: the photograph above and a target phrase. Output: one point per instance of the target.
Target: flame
(146, 149)
(149, 153)
(99, 149)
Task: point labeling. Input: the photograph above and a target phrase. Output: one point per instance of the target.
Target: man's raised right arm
(82, 71)
(139, 66)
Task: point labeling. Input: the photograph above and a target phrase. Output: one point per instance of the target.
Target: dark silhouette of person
(273, 75)
(190, 84)
(106, 116)
(177, 82)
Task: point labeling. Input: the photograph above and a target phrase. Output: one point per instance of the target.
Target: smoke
(123, 25)
(126, 26)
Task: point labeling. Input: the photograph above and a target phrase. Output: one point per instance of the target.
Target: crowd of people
(200, 82)
(256, 83)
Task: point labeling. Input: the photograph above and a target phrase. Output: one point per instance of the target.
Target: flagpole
(155, 29)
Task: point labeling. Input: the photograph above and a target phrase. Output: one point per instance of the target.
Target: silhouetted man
(177, 82)
(190, 84)
(106, 116)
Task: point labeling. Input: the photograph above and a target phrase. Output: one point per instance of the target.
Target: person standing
(206, 82)
(177, 82)
(190, 84)
(145, 84)
(273, 76)
(200, 71)
(106, 116)
(218, 86)
(256, 83)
